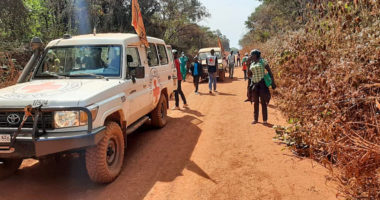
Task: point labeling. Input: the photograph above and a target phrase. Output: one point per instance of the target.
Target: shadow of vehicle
(151, 156)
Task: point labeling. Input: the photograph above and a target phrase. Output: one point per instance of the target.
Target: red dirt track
(209, 151)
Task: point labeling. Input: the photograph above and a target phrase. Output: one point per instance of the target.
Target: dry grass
(329, 85)
(8, 71)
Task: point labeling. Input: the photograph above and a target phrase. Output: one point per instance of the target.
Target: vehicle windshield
(203, 55)
(74, 61)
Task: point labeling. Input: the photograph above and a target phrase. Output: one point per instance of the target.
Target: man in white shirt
(212, 65)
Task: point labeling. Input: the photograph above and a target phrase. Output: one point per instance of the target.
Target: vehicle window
(152, 57)
(203, 55)
(170, 53)
(134, 53)
(162, 53)
(80, 60)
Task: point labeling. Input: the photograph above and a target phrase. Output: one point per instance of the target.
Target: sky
(229, 17)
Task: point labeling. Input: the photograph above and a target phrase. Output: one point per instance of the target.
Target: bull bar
(33, 142)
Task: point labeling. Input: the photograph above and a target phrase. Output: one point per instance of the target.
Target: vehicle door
(137, 91)
(159, 73)
(172, 65)
(166, 68)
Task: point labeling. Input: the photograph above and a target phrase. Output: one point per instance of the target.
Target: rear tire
(222, 75)
(8, 167)
(160, 113)
(105, 160)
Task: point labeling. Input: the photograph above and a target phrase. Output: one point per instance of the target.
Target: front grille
(45, 121)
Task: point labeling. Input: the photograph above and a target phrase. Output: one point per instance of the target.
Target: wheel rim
(111, 152)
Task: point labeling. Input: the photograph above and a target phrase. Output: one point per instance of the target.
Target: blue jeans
(211, 80)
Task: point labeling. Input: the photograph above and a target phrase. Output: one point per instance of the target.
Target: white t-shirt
(211, 60)
(231, 59)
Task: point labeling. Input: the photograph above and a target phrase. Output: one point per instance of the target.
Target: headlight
(65, 119)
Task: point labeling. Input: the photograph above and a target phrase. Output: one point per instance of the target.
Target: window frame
(41, 60)
(158, 59)
(166, 54)
(127, 76)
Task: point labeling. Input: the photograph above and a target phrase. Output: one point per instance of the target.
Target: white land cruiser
(85, 94)
(222, 64)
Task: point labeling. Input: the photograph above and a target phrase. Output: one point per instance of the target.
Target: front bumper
(34, 143)
(50, 143)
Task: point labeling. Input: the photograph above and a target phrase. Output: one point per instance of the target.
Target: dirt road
(210, 151)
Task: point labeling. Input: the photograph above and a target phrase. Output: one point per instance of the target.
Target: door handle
(133, 91)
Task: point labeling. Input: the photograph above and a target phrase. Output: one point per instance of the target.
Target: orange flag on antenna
(221, 46)
(138, 23)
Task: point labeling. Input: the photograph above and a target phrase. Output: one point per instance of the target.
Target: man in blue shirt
(196, 72)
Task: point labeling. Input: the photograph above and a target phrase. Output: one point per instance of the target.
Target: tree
(13, 19)
(273, 17)
(173, 20)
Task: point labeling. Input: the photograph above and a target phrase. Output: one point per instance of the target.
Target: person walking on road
(231, 64)
(178, 91)
(196, 72)
(212, 63)
(259, 89)
(183, 62)
(245, 66)
(238, 63)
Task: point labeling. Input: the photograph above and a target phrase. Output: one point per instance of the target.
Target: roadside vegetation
(326, 55)
(175, 21)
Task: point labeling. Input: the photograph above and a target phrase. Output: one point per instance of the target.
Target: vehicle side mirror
(129, 58)
(136, 72)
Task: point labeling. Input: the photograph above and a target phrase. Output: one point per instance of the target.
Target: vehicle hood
(56, 93)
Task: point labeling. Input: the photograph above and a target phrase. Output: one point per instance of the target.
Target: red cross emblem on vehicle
(41, 87)
(156, 91)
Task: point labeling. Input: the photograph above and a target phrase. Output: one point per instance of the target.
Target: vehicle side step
(133, 127)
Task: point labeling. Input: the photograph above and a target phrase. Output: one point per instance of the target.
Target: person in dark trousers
(259, 90)
(212, 63)
(238, 63)
(231, 64)
(196, 72)
(179, 88)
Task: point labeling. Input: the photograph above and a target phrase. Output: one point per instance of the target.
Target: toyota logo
(13, 119)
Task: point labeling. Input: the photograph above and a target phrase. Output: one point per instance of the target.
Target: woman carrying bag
(260, 83)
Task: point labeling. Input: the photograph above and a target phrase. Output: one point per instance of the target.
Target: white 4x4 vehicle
(222, 64)
(86, 94)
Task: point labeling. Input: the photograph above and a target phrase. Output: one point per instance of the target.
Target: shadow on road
(152, 156)
(225, 94)
(192, 112)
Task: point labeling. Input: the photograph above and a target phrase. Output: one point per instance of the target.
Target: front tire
(105, 160)
(222, 75)
(8, 167)
(160, 113)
